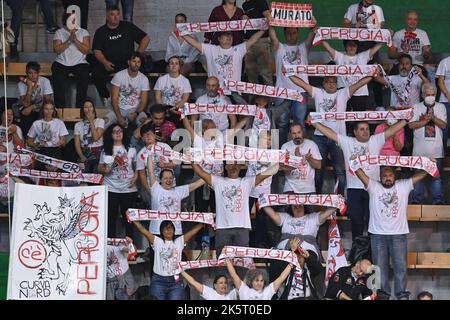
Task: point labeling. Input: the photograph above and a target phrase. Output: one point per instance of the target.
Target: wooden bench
(19, 69)
(193, 75)
(4, 216)
(433, 260)
(435, 213)
(73, 114)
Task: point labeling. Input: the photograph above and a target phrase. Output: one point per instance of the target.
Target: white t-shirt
(167, 255)
(6, 182)
(443, 70)
(172, 89)
(358, 59)
(211, 294)
(116, 261)
(301, 180)
(254, 168)
(118, 181)
(130, 88)
(290, 55)
(10, 143)
(308, 225)
(225, 64)
(232, 197)
(50, 131)
(331, 102)
(297, 286)
(184, 50)
(142, 160)
(388, 207)
(38, 92)
(352, 147)
(83, 129)
(246, 293)
(72, 55)
(167, 201)
(213, 167)
(220, 119)
(371, 17)
(428, 139)
(414, 41)
(399, 83)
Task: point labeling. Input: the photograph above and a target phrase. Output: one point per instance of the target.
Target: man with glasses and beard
(388, 226)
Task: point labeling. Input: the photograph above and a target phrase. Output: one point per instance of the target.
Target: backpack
(360, 249)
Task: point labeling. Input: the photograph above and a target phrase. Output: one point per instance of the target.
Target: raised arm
(419, 176)
(362, 82)
(192, 232)
(302, 84)
(331, 51)
(195, 185)
(254, 38)
(151, 169)
(197, 285)
(310, 38)
(193, 42)
(150, 236)
(279, 281)
(375, 49)
(363, 177)
(188, 126)
(329, 133)
(275, 216)
(326, 214)
(237, 281)
(274, 39)
(392, 130)
(202, 173)
(273, 169)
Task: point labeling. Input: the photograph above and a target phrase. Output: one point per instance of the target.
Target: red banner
(327, 200)
(263, 90)
(296, 15)
(359, 34)
(336, 254)
(342, 70)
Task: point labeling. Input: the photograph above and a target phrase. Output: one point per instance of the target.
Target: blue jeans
(445, 131)
(297, 111)
(436, 188)
(337, 159)
(166, 288)
(395, 247)
(127, 8)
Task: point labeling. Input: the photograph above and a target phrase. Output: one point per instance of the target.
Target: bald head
(362, 267)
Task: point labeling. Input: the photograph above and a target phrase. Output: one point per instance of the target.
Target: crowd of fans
(146, 179)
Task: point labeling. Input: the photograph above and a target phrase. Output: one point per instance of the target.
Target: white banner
(17, 160)
(80, 177)
(402, 93)
(145, 214)
(58, 244)
(327, 200)
(358, 34)
(336, 255)
(406, 114)
(263, 90)
(341, 70)
(198, 264)
(298, 15)
(197, 108)
(123, 243)
(220, 26)
(60, 164)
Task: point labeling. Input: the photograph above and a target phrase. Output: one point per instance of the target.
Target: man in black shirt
(113, 45)
(258, 60)
(349, 283)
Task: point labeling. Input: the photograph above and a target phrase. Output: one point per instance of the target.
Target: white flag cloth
(406, 114)
(341, 70)
(327, 200)
(359, 34)
(336, 255)
(220, 26)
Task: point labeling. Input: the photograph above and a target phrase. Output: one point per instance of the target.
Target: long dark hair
(55, 112)
(108, 140)
(163, 225)
(223, 2)
(82, 115)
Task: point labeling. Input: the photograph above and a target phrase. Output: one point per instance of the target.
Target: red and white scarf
(170, 154)
(80, 177)
(422, 163)
(144, 214)
(220, 26)
(406, 114)
(359, 34)
(263, 90)
(17, 160)
(259, 253)
(57, 163)
(327, 200)
(198, 108)
(402, 94)
(123, 243)
(297, 15)
(342, 70)
(198, 264)
(336, 254)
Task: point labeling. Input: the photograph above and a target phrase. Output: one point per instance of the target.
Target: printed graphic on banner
(58, 243)
(342, 70)
(327, 200)
(144, 214)
(359, 34)
(297, 15)
(406, 114)
(220, 26)
(263, 90)
(80, 177)
(402, 92)
(197, 108)
(123, 243)
(336, 255)
(60, 164)
(16, 160)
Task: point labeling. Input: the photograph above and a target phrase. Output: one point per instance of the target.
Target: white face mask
(429, 100)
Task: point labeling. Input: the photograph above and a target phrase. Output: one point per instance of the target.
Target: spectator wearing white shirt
(165, 283)
(71, 47)
(362, 144)
(388, 227)
(177, 46)
(330, 99)
(218, 292)
(9, 129)
(411, 40)
(129, 94)
(428, 122)
(256, 284)
(443, 76)
(359, 100)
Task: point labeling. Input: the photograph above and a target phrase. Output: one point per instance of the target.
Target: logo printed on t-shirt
(233, 198)
(390, 205)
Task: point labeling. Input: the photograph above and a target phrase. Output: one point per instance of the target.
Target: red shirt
(166, 130)
(219, 14)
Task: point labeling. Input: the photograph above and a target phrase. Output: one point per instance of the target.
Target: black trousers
(119, 203)
(101, 76)
(84, 8)
(17, 7)
(61, 82)
(258, 235)
(358, 210)
(357, 103)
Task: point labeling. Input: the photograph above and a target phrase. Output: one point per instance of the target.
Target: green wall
(434, 17)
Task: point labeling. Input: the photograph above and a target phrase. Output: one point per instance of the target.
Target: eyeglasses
(117, 131)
